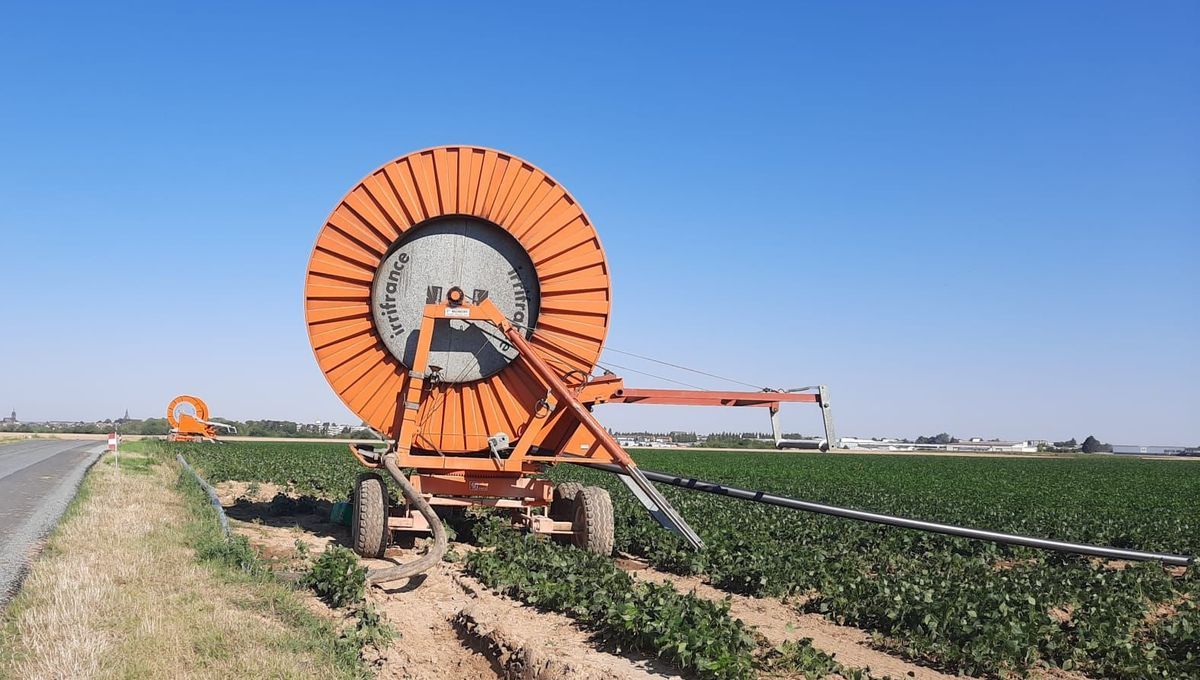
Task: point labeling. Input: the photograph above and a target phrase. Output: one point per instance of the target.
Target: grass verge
(139, 581)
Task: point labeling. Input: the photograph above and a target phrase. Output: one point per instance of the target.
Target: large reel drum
(186, 405)
(483, 221)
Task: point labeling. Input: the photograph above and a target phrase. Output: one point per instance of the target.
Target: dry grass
(119, 593)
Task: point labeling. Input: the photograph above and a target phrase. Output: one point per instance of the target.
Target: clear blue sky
(982, 218)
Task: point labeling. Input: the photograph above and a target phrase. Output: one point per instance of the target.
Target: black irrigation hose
(919, 525)
(212, 494)
(430, 558)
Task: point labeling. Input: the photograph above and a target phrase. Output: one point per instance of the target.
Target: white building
(1138, 450)
(880, 444)
(974, 445)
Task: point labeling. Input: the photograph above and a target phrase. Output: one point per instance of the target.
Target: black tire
(593, 521)
(369, 531)
(562, 508)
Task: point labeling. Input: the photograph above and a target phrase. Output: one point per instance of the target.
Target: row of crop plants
(964, 606)
(954, 604)
(692, 634)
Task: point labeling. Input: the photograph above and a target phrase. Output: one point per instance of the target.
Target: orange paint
(452, 180)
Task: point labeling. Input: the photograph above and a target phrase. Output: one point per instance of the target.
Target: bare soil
(449, 626)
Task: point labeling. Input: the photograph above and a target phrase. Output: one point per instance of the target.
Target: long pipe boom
(906, 523)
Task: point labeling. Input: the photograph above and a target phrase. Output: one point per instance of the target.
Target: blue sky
(982, 218)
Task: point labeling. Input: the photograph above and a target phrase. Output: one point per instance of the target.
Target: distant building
(880, 444)
(1136, 450)
(12, 419)
(973, 445)
(980, 445)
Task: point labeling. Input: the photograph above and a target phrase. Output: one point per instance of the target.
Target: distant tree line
(289, 428)
(942, 438)
(159, 426)
(1089, 445)
(744, 440)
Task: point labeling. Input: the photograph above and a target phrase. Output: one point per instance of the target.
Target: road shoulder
(119, 591)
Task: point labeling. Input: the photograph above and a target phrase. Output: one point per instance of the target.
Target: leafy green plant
(802, 658)
(695, 634)
(322, 470)
(369, 628)
(964, 606)
(337, 577)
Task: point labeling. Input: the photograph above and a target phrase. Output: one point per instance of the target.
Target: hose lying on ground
(430, 558)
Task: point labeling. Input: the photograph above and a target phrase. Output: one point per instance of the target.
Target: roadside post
(114, 445)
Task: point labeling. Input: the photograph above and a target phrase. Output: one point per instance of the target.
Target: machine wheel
(593, 521)
(369, 530)
(562, 508)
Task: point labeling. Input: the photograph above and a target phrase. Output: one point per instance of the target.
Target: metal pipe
(803, 444)
(904, 522)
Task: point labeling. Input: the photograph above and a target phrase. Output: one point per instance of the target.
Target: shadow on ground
(307, 512)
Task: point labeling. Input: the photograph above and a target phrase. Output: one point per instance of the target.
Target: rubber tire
(562, 508)
(593, 521)
(369, 532)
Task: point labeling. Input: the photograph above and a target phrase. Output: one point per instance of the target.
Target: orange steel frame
(483, 479)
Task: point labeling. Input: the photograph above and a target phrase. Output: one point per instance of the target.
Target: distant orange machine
(188, 417)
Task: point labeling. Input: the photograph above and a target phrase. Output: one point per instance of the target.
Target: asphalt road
(37, 480)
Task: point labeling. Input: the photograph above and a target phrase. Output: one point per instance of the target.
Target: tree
(153, 426)
(1093, 445)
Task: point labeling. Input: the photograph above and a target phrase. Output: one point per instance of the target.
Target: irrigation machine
(457, 299)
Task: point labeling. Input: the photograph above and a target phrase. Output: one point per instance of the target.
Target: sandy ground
(452, 627)
(449, 625)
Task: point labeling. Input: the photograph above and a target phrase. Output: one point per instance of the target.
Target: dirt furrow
(449, 626)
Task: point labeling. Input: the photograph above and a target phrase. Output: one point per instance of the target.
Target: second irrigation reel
(189, 420)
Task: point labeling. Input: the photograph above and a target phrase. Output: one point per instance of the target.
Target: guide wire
(606, 366)
(609, 348)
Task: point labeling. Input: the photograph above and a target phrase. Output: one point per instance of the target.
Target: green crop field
(321, 469)
(960, 605)
(956, 604)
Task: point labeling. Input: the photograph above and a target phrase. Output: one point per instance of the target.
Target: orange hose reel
(487, 223)
(457, 300)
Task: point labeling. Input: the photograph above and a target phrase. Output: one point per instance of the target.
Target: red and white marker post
(114, 444)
